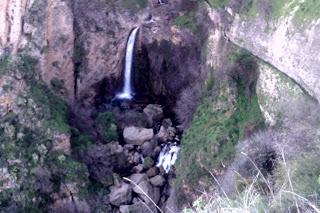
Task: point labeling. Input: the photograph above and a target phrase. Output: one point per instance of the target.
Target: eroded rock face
(289, 46)
(277, 94)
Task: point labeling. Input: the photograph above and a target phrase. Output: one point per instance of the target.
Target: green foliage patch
(107, 126)
(213, 134)
(134, 5)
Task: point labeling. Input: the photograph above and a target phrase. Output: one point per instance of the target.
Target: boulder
(138, 178)
(147, 149)
(121, 195)
(157, 180)
(153, 171)
(137, 135)
(144, 187)
(138, 207)
(138, 168)
(166, 134)
(153, 112)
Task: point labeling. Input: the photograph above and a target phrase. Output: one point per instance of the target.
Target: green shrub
(81, 142)
(58, 111)
(27, 66)
(66, 168)
(107, 126)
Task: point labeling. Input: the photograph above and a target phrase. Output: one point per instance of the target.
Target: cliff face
(287, 40)
(43, 29)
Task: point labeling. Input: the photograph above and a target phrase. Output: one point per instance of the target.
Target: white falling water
(168, 156)
(127, 88)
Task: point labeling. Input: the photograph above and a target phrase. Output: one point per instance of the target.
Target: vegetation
(216, 3)
(221, 123)
(296, 190)
(107, 126)
(302, 11)
(81, 141)
(134, 5)
(186, 21)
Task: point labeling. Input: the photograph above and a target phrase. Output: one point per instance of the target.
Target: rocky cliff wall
(287, 40)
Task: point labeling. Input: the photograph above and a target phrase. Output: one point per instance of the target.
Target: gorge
(159, 106)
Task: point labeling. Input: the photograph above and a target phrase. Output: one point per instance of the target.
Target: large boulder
(153, 112)
(136, 135)
(121, 195)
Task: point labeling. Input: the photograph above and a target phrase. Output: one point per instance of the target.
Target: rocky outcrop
(277, 94)
(289, 46)
(11, 18)
(45, 30)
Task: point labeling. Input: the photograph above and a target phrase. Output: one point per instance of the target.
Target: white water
(127, 88)
(168, 156)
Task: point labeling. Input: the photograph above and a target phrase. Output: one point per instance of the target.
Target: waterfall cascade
(168, 156)
(127, 92)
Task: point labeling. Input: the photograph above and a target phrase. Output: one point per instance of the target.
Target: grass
(212, 137)
(219, 124)
(307, 10)
(250, 199)
(58, 111)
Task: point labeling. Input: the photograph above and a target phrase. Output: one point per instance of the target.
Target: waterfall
(168, 156)
(127, 87)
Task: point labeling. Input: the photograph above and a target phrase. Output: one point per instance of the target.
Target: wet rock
(138, 207)
(157, 151)
(157, 180)
(147, 149)
(153, 112)
(137, 135)
(121, 195)
(153, 171)
(137, 158)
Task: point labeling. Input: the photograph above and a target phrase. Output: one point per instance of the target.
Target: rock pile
(145, 183)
